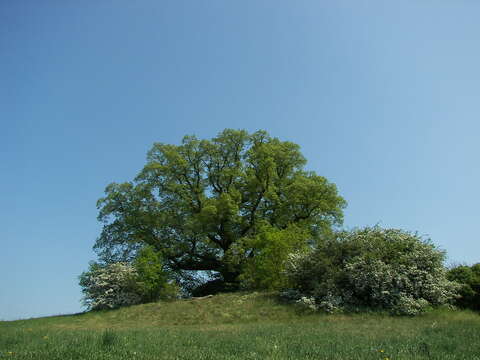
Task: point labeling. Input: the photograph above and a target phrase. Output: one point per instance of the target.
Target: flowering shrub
(307, 303)
(376, 268)
(109, 287)
(117, 284)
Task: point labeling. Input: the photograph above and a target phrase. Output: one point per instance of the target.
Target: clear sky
(382, 96)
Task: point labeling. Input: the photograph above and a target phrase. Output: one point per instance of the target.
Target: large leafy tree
(201, 203)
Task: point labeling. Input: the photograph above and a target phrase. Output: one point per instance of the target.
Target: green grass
(240, 326)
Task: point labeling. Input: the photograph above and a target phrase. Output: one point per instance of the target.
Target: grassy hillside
(240, 326)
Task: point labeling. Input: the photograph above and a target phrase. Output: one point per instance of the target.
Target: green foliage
(469, 279)
(265, 268)
(152, 281)
(204, 205)
(371, 268)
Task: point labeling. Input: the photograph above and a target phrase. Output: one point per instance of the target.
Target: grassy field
(240, 326)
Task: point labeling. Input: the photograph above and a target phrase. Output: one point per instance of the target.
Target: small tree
(109, 286)
(373, 267)
(152, 281)
(265, 270)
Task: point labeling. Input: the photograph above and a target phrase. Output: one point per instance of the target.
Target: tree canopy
(202, 204)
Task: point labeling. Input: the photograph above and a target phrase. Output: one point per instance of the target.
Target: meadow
(241, 326)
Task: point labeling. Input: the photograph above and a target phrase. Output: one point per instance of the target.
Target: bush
(469, 279)
(151, 282)
(109, 286)
(264, 268)
(375, 268)
(122, 284)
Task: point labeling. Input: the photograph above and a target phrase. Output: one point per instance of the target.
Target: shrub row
(364, 269)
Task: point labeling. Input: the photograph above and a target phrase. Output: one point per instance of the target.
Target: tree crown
(192, 202)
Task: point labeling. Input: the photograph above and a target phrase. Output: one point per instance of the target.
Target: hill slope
(219, 309)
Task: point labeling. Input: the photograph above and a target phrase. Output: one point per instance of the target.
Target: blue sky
(382, 96)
